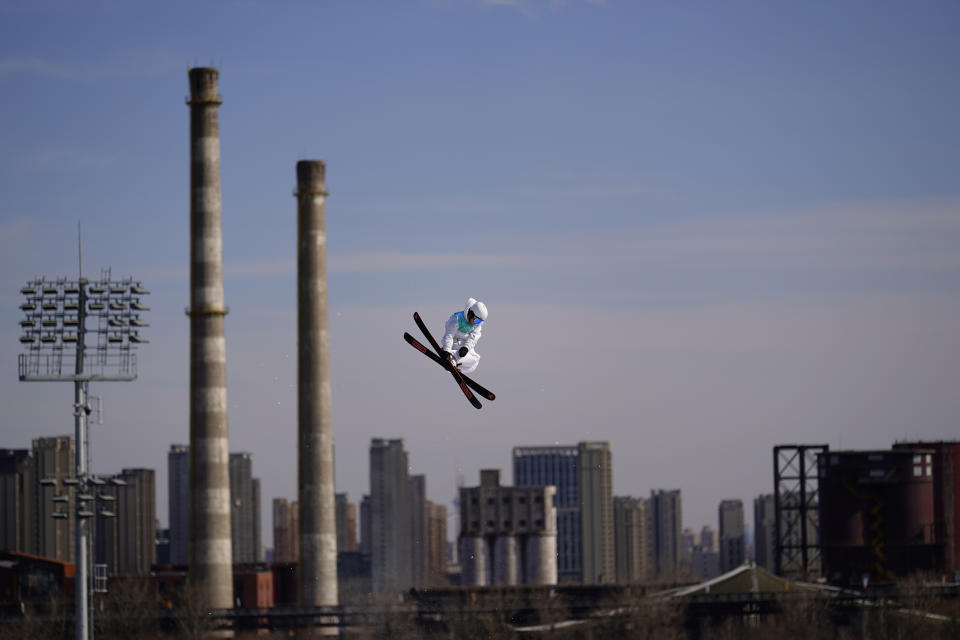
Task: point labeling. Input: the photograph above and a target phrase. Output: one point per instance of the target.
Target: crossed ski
(465, 383)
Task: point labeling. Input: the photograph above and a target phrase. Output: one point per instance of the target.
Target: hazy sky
(701, 229)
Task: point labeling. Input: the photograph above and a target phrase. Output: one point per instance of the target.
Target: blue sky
(702, 229)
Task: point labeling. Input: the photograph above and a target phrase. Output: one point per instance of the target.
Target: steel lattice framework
(797, 510)
(62, 315)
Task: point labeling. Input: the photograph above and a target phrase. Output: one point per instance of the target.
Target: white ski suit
(460, 333)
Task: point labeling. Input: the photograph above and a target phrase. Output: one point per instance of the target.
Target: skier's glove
(463, 351)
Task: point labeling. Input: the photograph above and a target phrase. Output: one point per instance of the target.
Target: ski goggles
(473, 319)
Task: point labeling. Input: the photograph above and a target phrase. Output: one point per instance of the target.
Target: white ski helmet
(478, 308)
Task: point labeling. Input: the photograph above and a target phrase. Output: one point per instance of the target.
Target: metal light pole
(60, 316)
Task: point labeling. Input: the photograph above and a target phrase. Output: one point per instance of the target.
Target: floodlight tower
(78, 331)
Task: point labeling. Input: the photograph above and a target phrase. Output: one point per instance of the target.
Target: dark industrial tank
(877, 515)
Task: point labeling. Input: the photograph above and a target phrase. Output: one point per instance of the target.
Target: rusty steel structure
(796, 510)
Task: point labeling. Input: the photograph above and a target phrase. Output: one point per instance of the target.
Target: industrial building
(508, 535)
(877, 514)
(945, 470)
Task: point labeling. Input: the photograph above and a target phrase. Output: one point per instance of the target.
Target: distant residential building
(665, 522)
(286, 539)
(53, 458)
(688, 540)
(163, 545)
(436, 555)
(557, 466)
(630, 545)
(244, 510)
(127, 542)
(596, 509)
(507, 535)
(582, 476)
(346, 524)
(257, 523)
(732, 535)
(428, 531)
(391, 546)
(137, 521)
(764, 525)
(418, 527)
(178, 500)
(18, 496)
(704, 563)
(709, 540)
(365, 532)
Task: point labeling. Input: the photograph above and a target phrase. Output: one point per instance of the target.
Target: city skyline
(253, 538)
(700, 231)
(508, 541)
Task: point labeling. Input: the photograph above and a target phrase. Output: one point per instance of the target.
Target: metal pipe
(318, 534)
(82, 625)
(211, 569)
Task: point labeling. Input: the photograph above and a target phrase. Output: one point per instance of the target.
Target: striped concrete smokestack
(318, 533)
(211, 571)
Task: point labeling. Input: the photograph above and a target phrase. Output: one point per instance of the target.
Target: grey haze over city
(701, 229)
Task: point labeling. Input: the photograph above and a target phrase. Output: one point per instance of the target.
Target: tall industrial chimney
(211, 571)
(318, 534)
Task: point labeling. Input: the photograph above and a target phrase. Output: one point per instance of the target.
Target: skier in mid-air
(461, 334)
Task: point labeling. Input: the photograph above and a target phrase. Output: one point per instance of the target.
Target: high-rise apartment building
(764, 525)
(664, 522)
(557, 466)
(704, 563)
(596, 512)
(708, 539)
(418, 526)
(244, 509)
(391, 533)
(127, 542)
(582, 475)
(285, 531)
(137, 521)
(53, 458)
(245, 529)
(18, 488)
(178, 500)
(257, 523)
(630, 540)
(365, 530)
(733, 550)
(436, 556)
(346, 523)
(688, 540)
